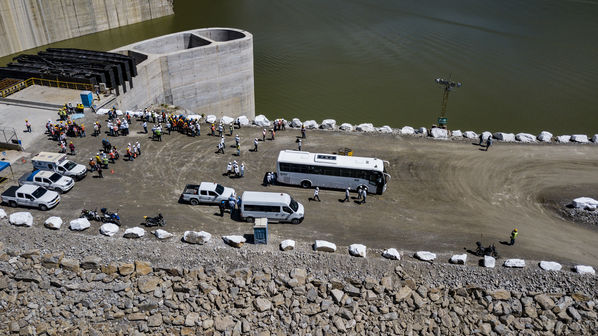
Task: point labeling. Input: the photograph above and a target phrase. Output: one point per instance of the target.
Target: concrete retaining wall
(26, 24)
(207, 71)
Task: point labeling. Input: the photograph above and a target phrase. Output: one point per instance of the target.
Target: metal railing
(44, 82)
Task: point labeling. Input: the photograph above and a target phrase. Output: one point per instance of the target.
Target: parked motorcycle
(110, 217)
(155, 221)
(90, 215)
(486, 251)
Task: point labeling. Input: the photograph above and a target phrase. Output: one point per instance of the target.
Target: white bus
(331, 171)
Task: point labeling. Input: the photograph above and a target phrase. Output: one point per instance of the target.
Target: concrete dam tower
(207, 71)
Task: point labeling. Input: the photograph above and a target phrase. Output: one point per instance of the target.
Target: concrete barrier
(506, 137)
(262, 121)
(488, 262)
(324, 246)
(563, 138)
(545, 136)
(514, 263)
(346, 127)
(525, 137)
(287, 245)
(550, 266)
(580, 138)
(311, 124)
(384, 129)
(457, 134)
(328, 124)
(296, 123)
(366, 127)
(425, 255)
(439, 133)
(459, 259)
(407, 130)
(470, 135)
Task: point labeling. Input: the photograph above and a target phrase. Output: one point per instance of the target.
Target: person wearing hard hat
(28, 125)
(514, 234)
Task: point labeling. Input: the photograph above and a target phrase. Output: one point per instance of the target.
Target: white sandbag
(105, 111)
(425, 255)
(79, 224)
(384, 129)
(134, 232)
(470, 135)
(262, 121)
(407, 130)
(287, 245)
(346, 127)
(2, 214)
(210, 119)
(582, 269)
(459, 259)
(366, 127)
(53, 223)
(226, 120)
(234, 241)
(296, 123)
(391, 254)
(584, 202)
(525, 137)
(514, 263)
(322, 245)
(358, 250)
(489, 262)
(439, 133)
(310, 124)
(162, 234)
(457, 133)
(109, 229)
(21, 219)
(595, 138)
(563, 138)
(580, 138)
(194, 237)
(550, 266)
(545, 136)
(328, 124)
(195, 117)
(502, 136)
(243, 120)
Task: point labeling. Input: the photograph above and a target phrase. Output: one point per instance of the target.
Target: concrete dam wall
(207, 71)
(26, 24)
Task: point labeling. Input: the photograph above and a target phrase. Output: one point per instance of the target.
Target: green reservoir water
(526, 65)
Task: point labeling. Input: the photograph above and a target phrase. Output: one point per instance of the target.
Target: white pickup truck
(48, 180)
(206, 192)
(30, 196)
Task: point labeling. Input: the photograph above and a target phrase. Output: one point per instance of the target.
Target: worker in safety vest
(514, 234)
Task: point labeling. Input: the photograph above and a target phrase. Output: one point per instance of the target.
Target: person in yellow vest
(514, 234)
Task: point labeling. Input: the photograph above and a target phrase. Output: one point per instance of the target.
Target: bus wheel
(305, 184)
(295, 221)
(250, 219)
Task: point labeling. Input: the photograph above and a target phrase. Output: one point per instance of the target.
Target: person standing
(222, 207)
(242, 169)
(264, 134)
(488, 142)
(230, 129)
(514, 234)
(364, 194)
(237, 139)
(100, 174)
(138, 146)
(317, 194)
(481, 139)
(72, 148)
(347, 193)
(299, 144)
(273, 133)
(238, 150)
(302, 131)
(28, 125)
(255, 145)
(145, 127)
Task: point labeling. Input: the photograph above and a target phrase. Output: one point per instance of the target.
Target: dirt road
(443, 196)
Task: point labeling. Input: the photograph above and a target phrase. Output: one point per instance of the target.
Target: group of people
(117, 127)
(362, 193)
(233, 169)
(233, 203)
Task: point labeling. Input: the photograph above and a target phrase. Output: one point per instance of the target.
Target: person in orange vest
(82, 134)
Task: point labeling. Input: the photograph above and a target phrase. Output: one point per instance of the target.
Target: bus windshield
(293, 205)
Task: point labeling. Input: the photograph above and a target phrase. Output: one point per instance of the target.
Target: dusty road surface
(444, 195)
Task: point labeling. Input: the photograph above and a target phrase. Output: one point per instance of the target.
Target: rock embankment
(54, 294)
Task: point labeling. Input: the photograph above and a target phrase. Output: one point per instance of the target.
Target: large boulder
(550, 266)
(595, 138)
(580, 138)
(194, 237)
(584, 202)
(407, 130)
(134, 232)
(243, 120)
(470, 135)
(79, 224)
(422, 130)
(109, 229)
(210, 118)
(514, 263)
(384, 129)
(227, 120)
(582, 269)
(311, 124)
(53, 223)
(234, 241)
(195, 117)
(489, 262)
(425, 255)
(502, 136)
(456, 133)
(324, 246)
(328, 124)
(366, 127)
(346, 127)
(21, 219)
(358, 250)
(525, 137)
(162, 234)
(287, 245)
(2, 214)
(262, 121)
(392, 254)
(563, 138)
(296, 123)
(460, 259)
(439, 133)
(486, 135)
(545, 136)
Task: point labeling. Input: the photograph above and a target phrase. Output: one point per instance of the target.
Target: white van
(58, 163)
(279, 207)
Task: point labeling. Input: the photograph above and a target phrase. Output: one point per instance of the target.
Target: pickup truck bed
(10, 192)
